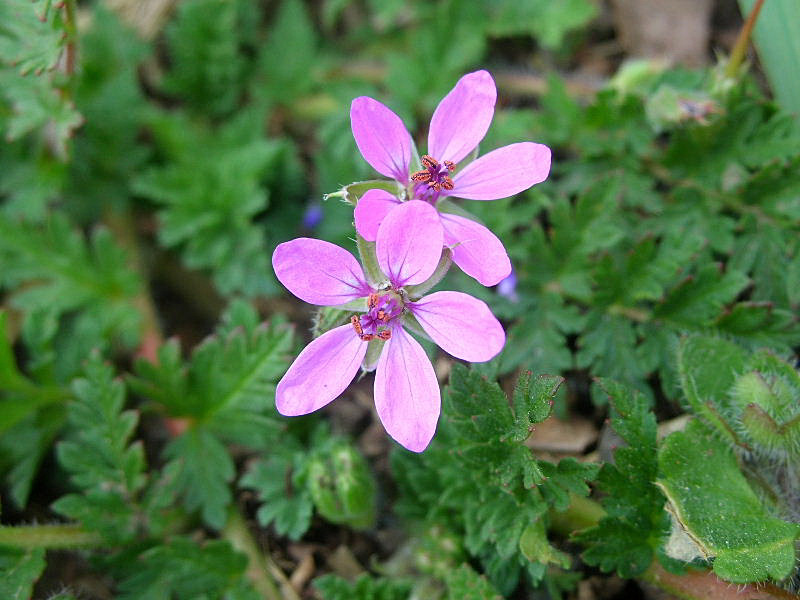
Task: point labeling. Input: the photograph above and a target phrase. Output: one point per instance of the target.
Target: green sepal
(352, 192)
(374, 349)
(329, 317)
(369, 262)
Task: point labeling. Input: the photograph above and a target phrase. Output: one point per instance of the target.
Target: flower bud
(341, 485)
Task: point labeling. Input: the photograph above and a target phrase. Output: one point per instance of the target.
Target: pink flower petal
(321, 372)
(409, 243)
(407, 394)
(461, 325)
(478, 251)
(381, 137)
(462, 117)
(503, 172)
(371, 209)
(319, 272)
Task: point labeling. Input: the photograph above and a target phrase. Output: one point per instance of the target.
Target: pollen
(435, 175)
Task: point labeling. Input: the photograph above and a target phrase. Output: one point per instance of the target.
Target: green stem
(740, 48)
(48, 536)
(261, 570)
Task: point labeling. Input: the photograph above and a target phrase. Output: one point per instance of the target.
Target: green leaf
(185, 570)
(229, 380)
(625, 540)
(109, 150)
(210, 193)
(480, 413)
(30, 39)
(281, 486)
(203, 471)
(20, 569)
(207, 65)
(549, 22)
(108, 470)
(333, 587)
(64, 273)
(227, 391)
(35, 104)
(699, 298)
(23, 448)
(287, 60)
(532, 402)
(464, 583)
(564, 479)
(534, 545)
(714, 502)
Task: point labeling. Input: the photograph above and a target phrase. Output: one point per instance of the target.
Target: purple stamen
(433, 178)
(378, 320)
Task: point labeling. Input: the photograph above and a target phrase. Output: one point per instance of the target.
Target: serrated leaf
(538, 339)
(760, 323)
(464, 583)
(184, 570)
(32, 37)
(699, 298)
(207, 65)
(533, 402)
(36, 104)
(286, 501)
(333, 587)
(210, 193)
(23, 447)
(714, 502)
(549, 22)
(287, 75)
(229, 383)
(625, 540)
(566, 478)
(108, 470)
(66, 273)
(203, 471)
(534, 545)
(21, 569)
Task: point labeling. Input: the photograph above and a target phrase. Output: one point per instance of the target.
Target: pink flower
(458, 125)
(408, 247)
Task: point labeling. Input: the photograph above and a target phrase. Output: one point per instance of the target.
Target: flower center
(377, 321)
(434, 178)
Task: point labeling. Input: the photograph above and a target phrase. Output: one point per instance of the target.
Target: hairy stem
(48, 536)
